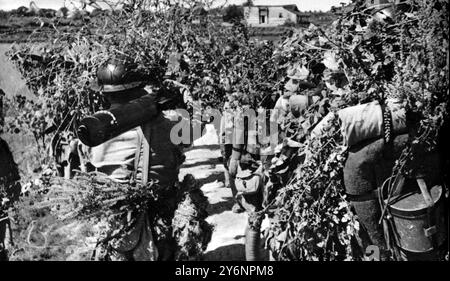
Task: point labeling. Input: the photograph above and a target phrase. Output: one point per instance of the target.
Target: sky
(303, 5)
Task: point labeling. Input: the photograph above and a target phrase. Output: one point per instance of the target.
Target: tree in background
(248, 3)
(233, 13)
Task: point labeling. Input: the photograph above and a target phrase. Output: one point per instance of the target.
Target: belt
(363, 197)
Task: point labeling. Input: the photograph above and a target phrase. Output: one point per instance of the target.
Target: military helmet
(117, 75)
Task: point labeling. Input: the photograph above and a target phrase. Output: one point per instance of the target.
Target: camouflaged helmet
(117, 75)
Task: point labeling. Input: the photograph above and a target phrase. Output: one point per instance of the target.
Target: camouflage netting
(190, 229)
(62, 219)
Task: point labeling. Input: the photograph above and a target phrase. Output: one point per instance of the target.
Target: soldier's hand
(233, 167)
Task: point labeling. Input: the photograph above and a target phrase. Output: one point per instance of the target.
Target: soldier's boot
(237, 207)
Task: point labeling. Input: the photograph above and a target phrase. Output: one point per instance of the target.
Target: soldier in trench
(226, 146)
(250, 156)
(140, 155)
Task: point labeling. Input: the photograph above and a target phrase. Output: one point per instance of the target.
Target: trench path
(202, 161)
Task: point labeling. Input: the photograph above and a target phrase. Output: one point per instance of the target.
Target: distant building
(268, 15)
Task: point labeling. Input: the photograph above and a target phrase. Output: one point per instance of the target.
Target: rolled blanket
(365, 121)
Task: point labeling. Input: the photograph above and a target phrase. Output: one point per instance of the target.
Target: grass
(21, 29)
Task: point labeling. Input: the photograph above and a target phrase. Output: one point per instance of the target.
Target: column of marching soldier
(146, 153)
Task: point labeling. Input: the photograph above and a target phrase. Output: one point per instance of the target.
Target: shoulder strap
(146, 131)
(137, 153)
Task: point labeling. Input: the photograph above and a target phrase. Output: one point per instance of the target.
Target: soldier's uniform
(226, 137)
(226, 133)
(122, 157)
(140, 155)
(255, 159)
(249, 162)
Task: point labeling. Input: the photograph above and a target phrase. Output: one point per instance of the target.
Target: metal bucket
(420, 222)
